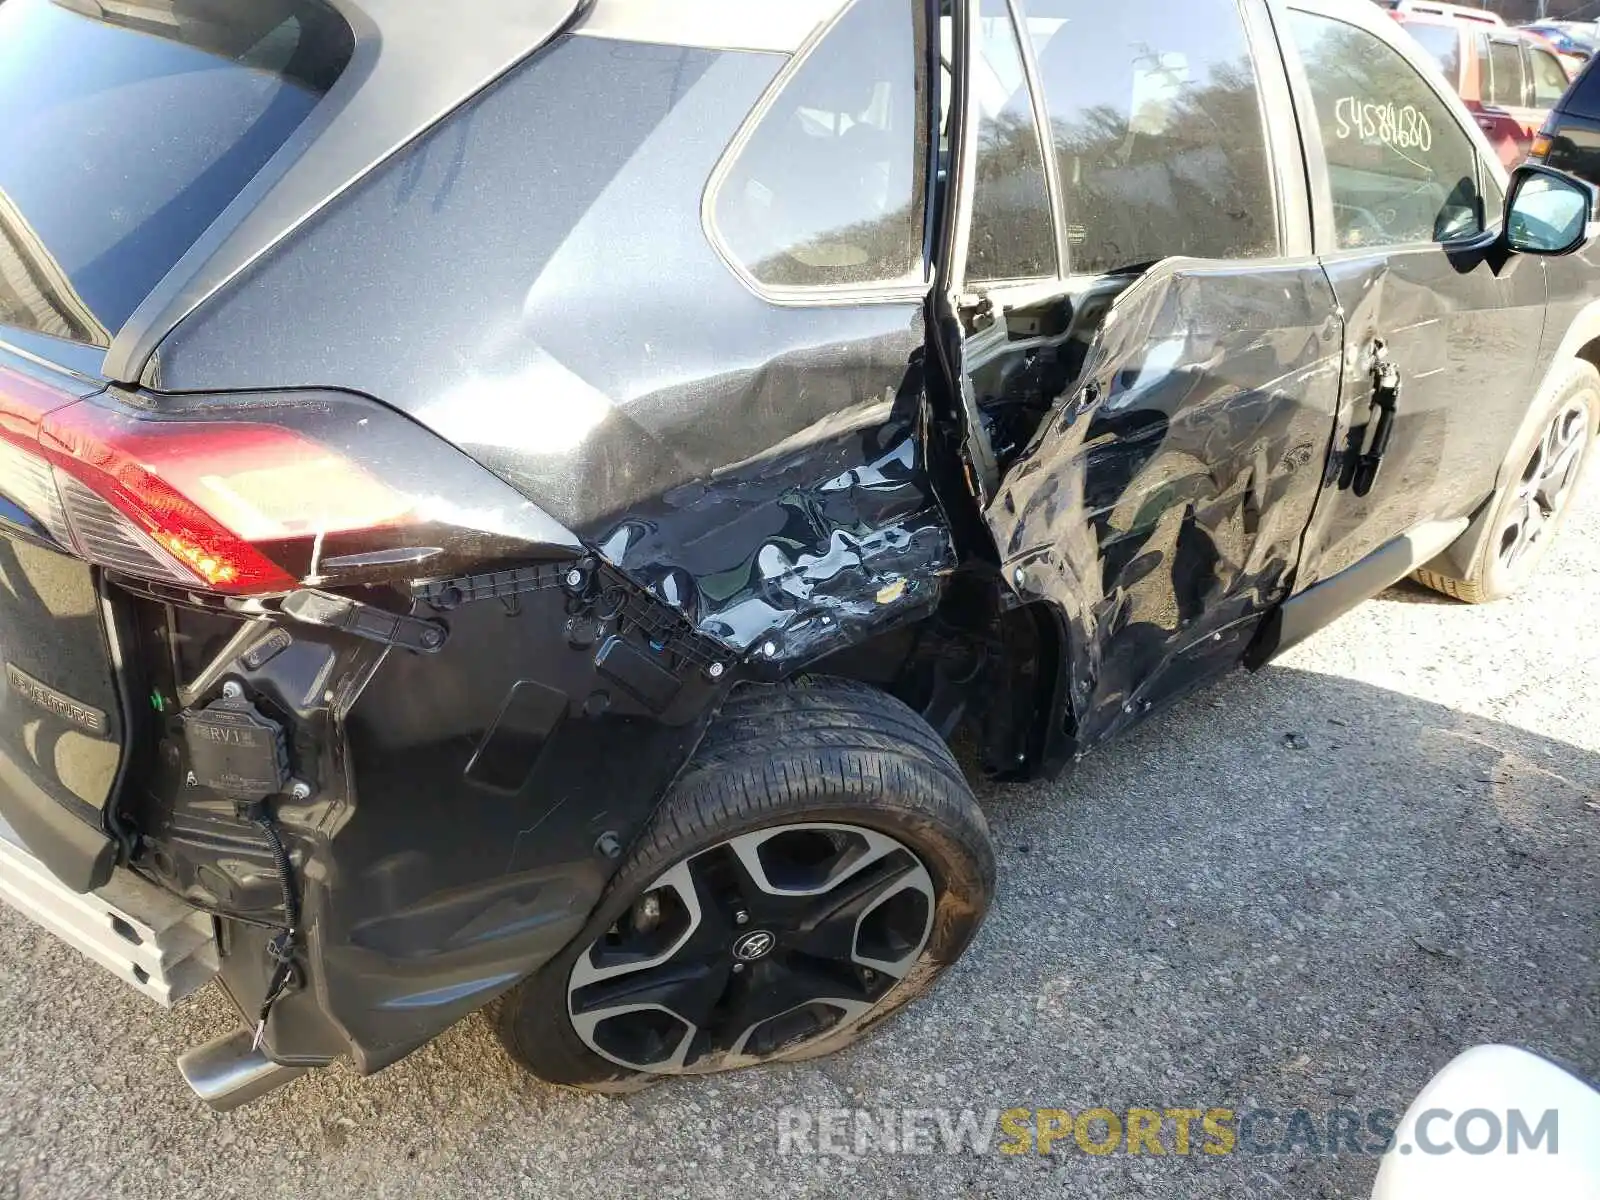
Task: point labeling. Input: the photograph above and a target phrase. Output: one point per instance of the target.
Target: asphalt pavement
(1305, 889)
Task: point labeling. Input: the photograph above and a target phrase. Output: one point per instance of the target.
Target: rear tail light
(28, 480)
(1540, 147)
(104, 535)
(258, 494)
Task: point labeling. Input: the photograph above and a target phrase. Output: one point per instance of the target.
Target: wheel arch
(1580, 343)
(1589, 352)
(980, 660)
(819, 754)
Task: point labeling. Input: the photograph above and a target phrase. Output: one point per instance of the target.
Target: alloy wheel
(753, 947)
(1545, 485)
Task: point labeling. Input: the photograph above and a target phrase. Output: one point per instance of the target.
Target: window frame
(1515, 43)
(1041, 123)
(1378, 24)
(1291, 197)
(823, 295)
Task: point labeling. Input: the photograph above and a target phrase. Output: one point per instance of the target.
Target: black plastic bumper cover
(78, 855)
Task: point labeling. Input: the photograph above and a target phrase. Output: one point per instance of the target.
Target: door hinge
(1380, 427)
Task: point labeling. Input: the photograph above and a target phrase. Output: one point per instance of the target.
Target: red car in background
(1509, 78)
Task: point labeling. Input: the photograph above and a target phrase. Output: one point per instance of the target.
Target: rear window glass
(1443, 44)
(828, 190)
(128, 129)
(1013, 229)
(1549, 77)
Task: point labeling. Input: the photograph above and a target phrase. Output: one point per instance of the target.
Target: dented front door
(1461, 343)
(1160, 505)
(1408, 213)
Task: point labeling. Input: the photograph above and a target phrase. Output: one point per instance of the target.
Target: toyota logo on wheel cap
(753, 945)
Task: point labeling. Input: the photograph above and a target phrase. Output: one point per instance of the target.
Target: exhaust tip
(227, 1073)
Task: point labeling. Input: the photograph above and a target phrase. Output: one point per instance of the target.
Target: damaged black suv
(513, 508)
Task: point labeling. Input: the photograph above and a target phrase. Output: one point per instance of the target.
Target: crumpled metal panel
(1161, 504)
(811, 544)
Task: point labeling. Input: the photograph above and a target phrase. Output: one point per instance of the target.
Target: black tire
(1504, 563)
(808, 753)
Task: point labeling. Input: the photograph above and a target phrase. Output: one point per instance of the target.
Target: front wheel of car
(817, 865)
(1533, 502)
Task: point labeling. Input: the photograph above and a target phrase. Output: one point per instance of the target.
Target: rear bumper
(148, 939)
(455, 815)
(79, 856)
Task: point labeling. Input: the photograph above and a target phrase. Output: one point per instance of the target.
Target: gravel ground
(1209, 914)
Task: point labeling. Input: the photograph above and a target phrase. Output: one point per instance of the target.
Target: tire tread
(1468, 591)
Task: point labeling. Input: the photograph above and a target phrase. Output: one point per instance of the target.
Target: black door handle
(1385, 399)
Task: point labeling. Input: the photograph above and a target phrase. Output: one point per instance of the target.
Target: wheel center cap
(753, 945)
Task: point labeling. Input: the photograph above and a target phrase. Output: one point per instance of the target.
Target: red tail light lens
(210, 495)
(254, 495)
(133, 481)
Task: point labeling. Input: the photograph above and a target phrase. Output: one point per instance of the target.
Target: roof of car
(1579, 33)
(1437, 20)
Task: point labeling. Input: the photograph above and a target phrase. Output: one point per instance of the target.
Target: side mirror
(1548, 211)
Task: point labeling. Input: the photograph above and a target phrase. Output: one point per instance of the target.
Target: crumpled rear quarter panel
(531, 280)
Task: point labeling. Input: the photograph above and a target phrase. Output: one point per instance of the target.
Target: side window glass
(1157, 129)
(1400, 166)
(1549, 78)
(1443, 44)
(1013, 232)
(1505, 74)
(827, 190)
